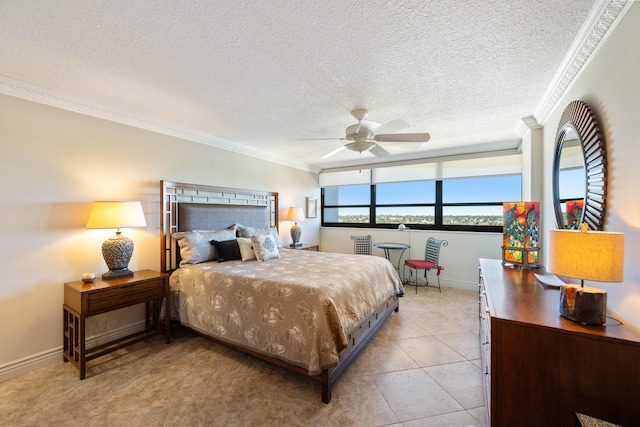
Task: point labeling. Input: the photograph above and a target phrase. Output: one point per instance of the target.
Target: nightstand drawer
(123, 296)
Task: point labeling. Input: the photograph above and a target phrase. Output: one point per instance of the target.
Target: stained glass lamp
(521, 240)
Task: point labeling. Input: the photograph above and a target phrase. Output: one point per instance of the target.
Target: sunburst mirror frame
(579, 117)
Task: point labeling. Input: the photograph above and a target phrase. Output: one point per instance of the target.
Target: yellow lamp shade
(586, 255)
(116, 215)
(295, 214)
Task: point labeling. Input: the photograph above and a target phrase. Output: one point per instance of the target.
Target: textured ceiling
(265, 76)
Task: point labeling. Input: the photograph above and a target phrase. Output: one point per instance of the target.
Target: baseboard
(460, 285)
(30, 363)
(52, 356)
(452, 284)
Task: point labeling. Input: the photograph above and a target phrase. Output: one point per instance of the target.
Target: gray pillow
(246, 231)
(195, 246)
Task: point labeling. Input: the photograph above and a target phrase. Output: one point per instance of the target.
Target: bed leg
(326, 386)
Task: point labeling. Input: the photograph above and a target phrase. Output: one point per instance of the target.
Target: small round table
(386, 247)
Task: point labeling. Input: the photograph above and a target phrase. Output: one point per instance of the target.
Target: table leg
(400, 261)
(82, 360)
(66, 338)
(167, 319)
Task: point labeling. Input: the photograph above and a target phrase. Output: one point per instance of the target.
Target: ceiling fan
(363, 137)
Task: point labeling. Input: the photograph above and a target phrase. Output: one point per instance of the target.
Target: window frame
(438, 207)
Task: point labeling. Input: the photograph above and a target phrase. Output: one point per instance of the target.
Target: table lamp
(520, 239)
(585, 255)
(295, 214)
(117, 250)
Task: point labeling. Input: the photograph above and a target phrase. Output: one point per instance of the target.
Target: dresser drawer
(123, 296)
(485, 345)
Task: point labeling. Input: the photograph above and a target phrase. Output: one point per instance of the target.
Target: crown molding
(604, 17)
(527, 124)
(30, 92)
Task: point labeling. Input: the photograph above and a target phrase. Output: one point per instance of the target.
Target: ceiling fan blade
(334, 152)
(321, 139)
(393, 126)
(368, 125)
(378, 151)
(402, 137)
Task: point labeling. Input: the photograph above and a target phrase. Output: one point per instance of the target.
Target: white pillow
(246, 231)
(264, 247)
(196, 247)
(246, 248)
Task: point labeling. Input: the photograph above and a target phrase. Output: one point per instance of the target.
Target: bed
(310, 312)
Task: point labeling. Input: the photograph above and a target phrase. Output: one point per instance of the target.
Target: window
(457, 204)
(346, 204)
(410, 202)
(478, 201)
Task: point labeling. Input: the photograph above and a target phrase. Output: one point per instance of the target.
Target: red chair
(430, 262)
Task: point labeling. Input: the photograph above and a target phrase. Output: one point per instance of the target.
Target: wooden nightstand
(82, 300)
(304, 247)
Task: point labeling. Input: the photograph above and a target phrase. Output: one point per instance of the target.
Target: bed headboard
(187, 207)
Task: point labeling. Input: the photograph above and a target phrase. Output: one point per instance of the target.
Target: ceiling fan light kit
(360, 145)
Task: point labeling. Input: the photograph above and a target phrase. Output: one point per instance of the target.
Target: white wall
(53, 164)
(610, 85)
(459, 258)
(532, 157)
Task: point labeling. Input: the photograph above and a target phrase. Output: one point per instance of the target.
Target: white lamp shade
(295, 214)
(116, 215)
(586, 255)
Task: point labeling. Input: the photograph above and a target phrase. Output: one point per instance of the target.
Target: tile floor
(422, 369)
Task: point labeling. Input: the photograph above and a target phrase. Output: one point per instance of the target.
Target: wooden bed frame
(217, 208)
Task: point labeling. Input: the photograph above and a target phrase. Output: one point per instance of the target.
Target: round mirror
(579, 170)
(572, 179)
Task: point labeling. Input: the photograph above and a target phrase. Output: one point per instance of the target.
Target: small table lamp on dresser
(117, 250)
(585, 255)
(520, 240)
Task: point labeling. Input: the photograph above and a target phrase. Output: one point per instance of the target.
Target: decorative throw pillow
(246, 248)
(246, 231)
(242, 230)
(195, 246)
(228, 250)
(264, 247)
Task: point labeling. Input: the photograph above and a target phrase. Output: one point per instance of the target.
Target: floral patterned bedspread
(300, 307)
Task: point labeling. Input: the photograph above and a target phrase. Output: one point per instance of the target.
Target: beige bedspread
(300, 307)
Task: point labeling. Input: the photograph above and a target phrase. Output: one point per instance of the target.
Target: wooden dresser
(541, 369)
